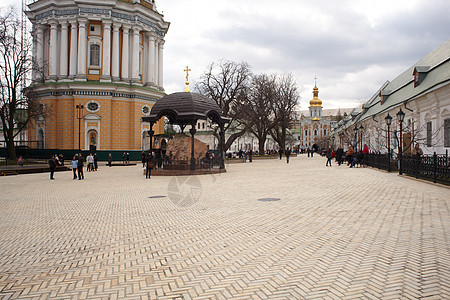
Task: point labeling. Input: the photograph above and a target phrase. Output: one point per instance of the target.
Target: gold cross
(315, 80)
(187, 73)
(187, 89)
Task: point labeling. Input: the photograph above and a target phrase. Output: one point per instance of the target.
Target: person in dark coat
(80, 166)
(149, 165)
(328, 155)
(143, 158)
(52, 164)
(287, 153)
(280, 152)
(95, 162)
(339, 154)
(109, 160)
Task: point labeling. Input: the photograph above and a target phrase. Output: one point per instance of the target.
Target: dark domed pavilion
(186, 108)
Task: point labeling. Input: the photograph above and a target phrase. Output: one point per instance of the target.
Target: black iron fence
(380, 161)
(185, 164)
(430, 167)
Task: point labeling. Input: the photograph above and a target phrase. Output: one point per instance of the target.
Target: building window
(306, 132)
(447, 132)
(324, 132)
(146, 110)
(94, 55)
(416, 79)
(93, 106)
(429, 133)
(315, 131)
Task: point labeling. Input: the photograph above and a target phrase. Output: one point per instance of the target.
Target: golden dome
(315, 101)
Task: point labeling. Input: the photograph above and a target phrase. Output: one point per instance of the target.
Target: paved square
(334, 233)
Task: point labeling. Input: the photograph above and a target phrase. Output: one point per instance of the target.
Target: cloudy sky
(352, 47)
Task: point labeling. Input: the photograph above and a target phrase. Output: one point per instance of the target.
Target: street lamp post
(79, 108)
(361, 128)
(388, 120)
(401, 117)
(356, 138)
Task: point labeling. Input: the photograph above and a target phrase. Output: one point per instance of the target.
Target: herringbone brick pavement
(335, 233)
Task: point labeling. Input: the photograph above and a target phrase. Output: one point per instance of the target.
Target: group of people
(286, 153)
(126, 158)
(77, 164)
(54, 161)
(351, 157)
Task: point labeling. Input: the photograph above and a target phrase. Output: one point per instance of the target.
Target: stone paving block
(335, 233)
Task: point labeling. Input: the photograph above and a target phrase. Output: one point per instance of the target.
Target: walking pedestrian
(143, 157)
(328, 155)
(90, 161)
(150, 165)
(80, 166)
(109, 160)
(52, 164)
(288, 154)
(95, 162)
(280, 153)
(339, 154)
(74, 166)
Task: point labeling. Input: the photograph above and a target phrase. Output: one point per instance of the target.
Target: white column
(39, 45)
(64, 55)
(156, 60)
(115, 52)
(82, 40)
(53, 54)
(106, 65)
(161, 64)
(125, 49)
(135, 55)
(151, 59)
(73, 48)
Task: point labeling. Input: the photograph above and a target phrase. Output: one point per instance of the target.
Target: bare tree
(15, 66)
(284, 107)
(257, 107)
(224, 82)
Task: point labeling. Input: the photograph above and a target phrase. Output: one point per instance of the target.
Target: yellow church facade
(314, 127)
(100, 70)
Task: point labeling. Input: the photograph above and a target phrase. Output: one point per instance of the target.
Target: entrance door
(92, 134)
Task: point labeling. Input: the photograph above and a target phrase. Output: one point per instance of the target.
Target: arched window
(315, 131)
(94, 55)
(40, 139)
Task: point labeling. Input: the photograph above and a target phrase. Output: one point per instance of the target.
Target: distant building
(104, 55)
(312, 129)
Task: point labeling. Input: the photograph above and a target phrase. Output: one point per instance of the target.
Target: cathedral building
(99, 71)
(315, 127)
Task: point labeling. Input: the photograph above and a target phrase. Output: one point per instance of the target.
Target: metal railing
(430, 167)
(185, 164)
(379, 161)
(434, 167)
